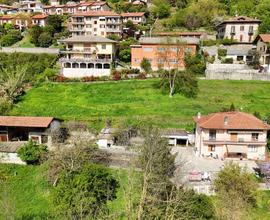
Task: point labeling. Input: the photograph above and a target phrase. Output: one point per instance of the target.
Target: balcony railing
(84, 60)
(237, 141)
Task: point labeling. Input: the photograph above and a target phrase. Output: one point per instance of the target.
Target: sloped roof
(233, 50)
(40, 16)
(264, 37)
(174, 132)
(25, 121)
(96, 13)
(88, 38)
(231, 120)
(241, 19)
(11, 146)
(133, 14)
(6, 17)
(173, 40)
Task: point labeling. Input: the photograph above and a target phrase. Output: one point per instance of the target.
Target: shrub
(141, 76)
(33, 153)
(194, 64)
(146, 65)
(222, 52)
(228, 60)
(116, 76)
(61, 79)
(89, 79)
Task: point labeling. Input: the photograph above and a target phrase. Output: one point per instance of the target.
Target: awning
(237, 149)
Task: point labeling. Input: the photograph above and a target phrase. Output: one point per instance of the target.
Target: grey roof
(107, 133)
(238, 50)
(171, 40)
(174, 132)
(93, 39)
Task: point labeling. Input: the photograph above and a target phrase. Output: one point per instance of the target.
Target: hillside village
(134, 109)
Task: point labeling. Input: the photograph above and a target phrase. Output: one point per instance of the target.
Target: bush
(89, 79)
(228, 60)
(61, 79)
(33, 153)
(141, 76)
(222, 52)
(45, 39)
(195, 64)
(116, 76)
(11, 38)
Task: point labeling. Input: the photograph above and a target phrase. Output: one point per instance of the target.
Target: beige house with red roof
(135, 17)
(263, 47)
(241, 29)
(231, 134)
(40, 20)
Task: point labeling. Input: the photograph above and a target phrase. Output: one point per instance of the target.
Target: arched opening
(75, 65)
(106, 66)
(67, 65)
(98, 66)
(91, 66)
(83, 65)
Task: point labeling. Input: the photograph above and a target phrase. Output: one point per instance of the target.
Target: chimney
(199, 115)
(226, 120)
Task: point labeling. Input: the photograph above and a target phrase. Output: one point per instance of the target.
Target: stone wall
(234, 72)
(29, 50)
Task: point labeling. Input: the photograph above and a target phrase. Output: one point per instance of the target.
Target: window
(250, 29)
(241, 38)
(137, 60)
(211, 148)
(95, 22)
(103, 46)
(95, 29)
(102, 26)
(242, 28)
(175, 49)
(160, 49)
(147, 49)
(232, 29)
(88, 18)
(44, 139)
(252, 148)
(254, 136)
(212, 135)
(160, 60)
(88, 26)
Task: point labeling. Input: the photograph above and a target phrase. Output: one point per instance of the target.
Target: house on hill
(262, 42)
(242, 29)
(163, 53)
(231, 135)
(87, 56)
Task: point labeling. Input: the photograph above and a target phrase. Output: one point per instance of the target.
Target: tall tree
(235, 189)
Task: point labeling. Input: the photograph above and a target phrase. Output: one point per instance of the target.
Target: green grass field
(135, 101)
(26, 194)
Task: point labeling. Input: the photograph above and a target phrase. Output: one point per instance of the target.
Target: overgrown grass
(135, 101)
(26, 192)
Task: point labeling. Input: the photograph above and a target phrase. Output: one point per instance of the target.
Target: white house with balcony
(242, 29)
(231, 135)
(87, 56)
(96, 23)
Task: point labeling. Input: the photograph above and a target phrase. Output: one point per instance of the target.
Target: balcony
(238, 141)
(84, 60)
(113, 30)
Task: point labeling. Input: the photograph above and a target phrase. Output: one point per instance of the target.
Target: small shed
(19, 129)
(106, 137)
(8, 152)
(176, 137)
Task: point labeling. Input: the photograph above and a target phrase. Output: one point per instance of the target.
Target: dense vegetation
(137, 101)
(9, 35)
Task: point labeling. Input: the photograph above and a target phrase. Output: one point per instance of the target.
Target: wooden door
(233, 136)
(3, 137)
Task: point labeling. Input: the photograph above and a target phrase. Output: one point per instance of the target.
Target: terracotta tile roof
(231, 120)
(96, 13)
(133, 14)
(5, 17)
(39, 16)
(18, 121)
(265, 37)
(99, 3)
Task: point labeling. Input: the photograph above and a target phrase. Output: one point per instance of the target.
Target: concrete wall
(234, 72)
(29, 50)
(10, 158)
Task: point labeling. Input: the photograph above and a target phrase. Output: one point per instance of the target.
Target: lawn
(136, 100)
(27, 193)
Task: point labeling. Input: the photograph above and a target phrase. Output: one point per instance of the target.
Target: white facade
(10, 158)
(222, 143)
(240, 29)
(102, 25)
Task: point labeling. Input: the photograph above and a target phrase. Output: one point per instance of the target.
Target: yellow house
(87, 56)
